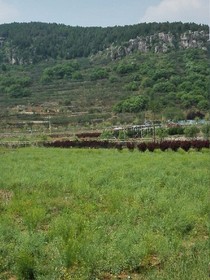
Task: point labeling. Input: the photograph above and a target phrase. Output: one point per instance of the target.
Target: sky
(104, 12)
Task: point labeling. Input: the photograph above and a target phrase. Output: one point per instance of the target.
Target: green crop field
(103, 214)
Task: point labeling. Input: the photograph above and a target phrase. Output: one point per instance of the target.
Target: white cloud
(178, 10)
(8, 12)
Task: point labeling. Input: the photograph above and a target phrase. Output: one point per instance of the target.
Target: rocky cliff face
(161, 43)
(156, 43)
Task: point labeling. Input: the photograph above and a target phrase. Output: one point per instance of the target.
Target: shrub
(77, 76)
(119, 146)
(122, 135)
(26, 266)
(88, 134)
(164, 145)
(195, 114)
(151, 146)
(162, 133)
(206, 130)
(107, 134)
(176, 130)
(130, 146)
(191, 131)
(99, 74)
(185, 145)
(113, 79)
(59, 71)
(126, 68)
(132, 104)
(132, 86)
(199, 144)
(142, 147)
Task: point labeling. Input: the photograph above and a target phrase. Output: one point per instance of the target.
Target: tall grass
(101, 214)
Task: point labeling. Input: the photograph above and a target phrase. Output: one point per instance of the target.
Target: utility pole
(50, 127)
(154, 132)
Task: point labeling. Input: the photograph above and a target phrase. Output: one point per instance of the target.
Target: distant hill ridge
(24, 43)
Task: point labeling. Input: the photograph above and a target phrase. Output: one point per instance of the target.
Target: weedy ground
(103, 214)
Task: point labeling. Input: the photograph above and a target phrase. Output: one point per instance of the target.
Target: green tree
(163, 87)
(3, 67)
(99, 74)
(206, 130)
(185, 86)
(162, 133)
(122, 135)
(147, 82)
(191, 131)
(125, 68)
(133, 104)
(133, 86)
(107, 134)
(203, 105)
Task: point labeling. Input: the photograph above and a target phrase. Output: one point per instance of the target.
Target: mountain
(103, 76)
(33, 42)
(162, 42)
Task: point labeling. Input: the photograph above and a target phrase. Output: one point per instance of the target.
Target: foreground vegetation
(101, 214)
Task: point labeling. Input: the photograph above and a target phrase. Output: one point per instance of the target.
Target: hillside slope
(32, 42)
(135, 70)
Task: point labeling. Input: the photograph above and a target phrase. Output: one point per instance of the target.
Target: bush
(142, 147)
(133, 86)
(175, 145)
(191, 131)
(130, 146)
(99, 74)
(176, 130)
(59, 71)
(162, 133)
(199, 144)
(122, 135)
(164, 145)
(185, 145)
(26, 266)
(151, 146)
(206, 130)
(133, 104)
(126, 68)
(88, 134)
(107, 135)
(195, 114)
(119, 146)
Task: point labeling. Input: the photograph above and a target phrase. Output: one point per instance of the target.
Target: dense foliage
(60, 71)
(132, 104)
(37, 41)
(142, 146)
(178, 78)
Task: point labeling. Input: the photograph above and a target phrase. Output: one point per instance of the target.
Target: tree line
(37, 41)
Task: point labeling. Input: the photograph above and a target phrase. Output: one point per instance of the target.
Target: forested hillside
(33, 42)
(103, 76)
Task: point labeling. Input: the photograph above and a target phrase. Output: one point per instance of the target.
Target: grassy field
(103, 214)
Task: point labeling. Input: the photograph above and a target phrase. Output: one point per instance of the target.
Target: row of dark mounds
(141, 146)
(88, 135)
(80, 135)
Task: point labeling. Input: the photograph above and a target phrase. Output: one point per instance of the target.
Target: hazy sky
(104, 12)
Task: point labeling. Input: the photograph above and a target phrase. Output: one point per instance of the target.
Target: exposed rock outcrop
(157, 43)
(161, 43)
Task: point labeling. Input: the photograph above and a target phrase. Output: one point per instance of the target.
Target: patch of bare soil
(5, 196)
